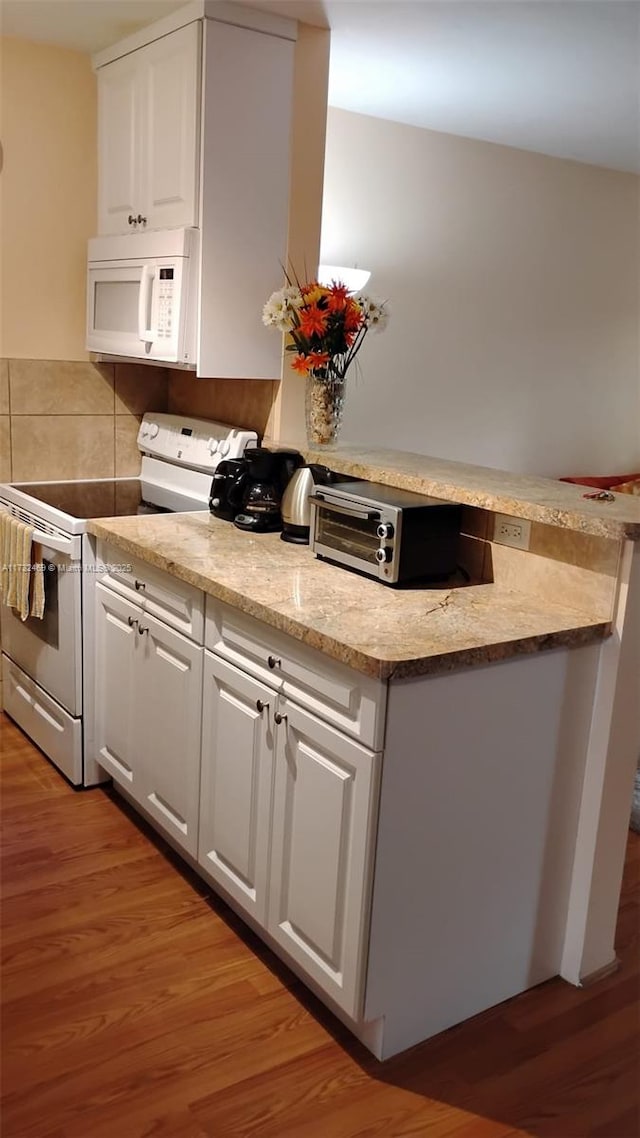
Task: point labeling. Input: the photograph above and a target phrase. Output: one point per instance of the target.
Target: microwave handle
(365, 515)
(146, 284)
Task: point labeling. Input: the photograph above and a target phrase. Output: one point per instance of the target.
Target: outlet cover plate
(515, 532)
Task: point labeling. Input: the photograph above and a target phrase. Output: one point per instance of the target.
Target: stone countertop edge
(535, 498)
(585, 631)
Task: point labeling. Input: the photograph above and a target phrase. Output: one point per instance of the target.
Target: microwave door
(113, 310)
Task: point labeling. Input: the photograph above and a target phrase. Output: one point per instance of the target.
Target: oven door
(50, 650)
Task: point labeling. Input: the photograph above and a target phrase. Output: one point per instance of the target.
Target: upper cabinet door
(149, 136)
(119, 144)
(169, 194)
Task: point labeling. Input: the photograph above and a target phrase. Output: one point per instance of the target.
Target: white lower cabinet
(287, 821)
(236, 784)
(287, 807)
(148, 713)
(324, 812)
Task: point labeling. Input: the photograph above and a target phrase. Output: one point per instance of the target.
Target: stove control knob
(212, 445)
(223, 447)
(153, 430)
(383, 554)
(385, 529)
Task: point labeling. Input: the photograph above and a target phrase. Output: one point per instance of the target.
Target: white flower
(277, 312)
(375, 314)
(293, 296)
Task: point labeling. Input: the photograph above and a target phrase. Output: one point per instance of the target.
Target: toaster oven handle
(146, 281)
(353, 512)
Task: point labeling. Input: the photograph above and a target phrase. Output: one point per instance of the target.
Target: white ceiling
(557, 76)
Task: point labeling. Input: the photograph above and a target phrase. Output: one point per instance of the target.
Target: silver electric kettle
(295, 507)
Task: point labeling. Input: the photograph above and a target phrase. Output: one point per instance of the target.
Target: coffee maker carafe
(261, 487)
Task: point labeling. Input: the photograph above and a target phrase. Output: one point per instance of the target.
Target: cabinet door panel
(119, 145)
(116, 659)
(322, 851)
(172, 92)
(170, 702)
(236, 784)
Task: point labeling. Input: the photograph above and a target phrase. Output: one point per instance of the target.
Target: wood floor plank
(135, 1005)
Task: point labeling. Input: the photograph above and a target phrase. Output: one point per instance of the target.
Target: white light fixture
(355, 279)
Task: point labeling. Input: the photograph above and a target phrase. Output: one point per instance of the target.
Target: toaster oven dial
(385, 529)
(383, 554)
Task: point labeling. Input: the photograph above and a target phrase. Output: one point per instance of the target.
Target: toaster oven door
(348, 532)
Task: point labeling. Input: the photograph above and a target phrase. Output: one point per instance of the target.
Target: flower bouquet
(326, 325)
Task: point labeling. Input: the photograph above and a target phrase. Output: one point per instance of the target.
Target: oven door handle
(365, 515)
(67, 545)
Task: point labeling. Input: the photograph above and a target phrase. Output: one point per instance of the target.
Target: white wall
(512, 280)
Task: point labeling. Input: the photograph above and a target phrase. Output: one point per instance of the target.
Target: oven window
(355, 536)
(47, 629)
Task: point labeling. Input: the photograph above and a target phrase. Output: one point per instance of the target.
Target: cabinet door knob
(279, 718)
(139, 585)
(131, 219)
(141, 220)
(273, 662)
(132, 621)
(142, 630)
(260, 705)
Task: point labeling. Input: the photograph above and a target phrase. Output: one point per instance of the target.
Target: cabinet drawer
(336, 693)
(177, 603)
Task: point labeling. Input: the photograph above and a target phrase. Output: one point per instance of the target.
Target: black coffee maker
(261, 486)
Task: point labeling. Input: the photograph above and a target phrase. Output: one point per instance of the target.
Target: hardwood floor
(136, 1004)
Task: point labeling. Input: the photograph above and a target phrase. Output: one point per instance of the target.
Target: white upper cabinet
(194, 131)
(148, 135)
(118, 145)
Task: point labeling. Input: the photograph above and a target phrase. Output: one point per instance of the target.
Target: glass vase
(324, 408)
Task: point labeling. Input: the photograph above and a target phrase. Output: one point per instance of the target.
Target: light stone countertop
(525, 496)
(379, 631)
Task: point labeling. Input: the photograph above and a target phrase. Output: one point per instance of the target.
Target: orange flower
(312, 292)
(300, 364)
(317, 359)
(313, 321)
(337, 299)
(352, 316)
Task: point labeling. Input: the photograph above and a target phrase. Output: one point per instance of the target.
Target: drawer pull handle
(273, 662)
(139, 585)
(260, 705)
(279, 718)
(132, 621)
(142, 630)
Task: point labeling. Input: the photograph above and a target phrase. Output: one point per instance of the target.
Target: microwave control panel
(165, 289)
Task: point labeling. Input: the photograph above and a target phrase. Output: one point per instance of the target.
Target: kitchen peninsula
(425, 789)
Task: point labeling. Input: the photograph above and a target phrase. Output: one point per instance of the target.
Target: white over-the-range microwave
(142, 296)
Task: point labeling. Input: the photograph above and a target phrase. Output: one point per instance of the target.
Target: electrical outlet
(512, 531)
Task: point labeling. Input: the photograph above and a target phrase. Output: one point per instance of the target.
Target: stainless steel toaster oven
(394, 535)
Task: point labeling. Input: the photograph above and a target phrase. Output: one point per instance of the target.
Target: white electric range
(47, 665)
